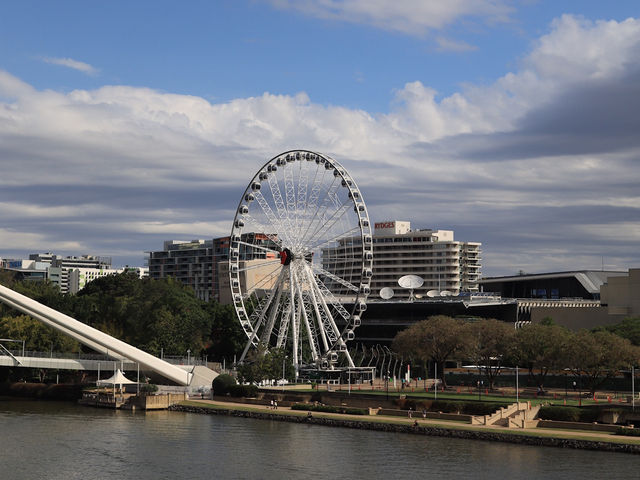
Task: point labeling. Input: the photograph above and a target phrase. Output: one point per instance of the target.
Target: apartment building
(442, 262)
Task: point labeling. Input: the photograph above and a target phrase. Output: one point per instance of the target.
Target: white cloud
(71, 63)
(124, 167)
(448, 45)
(413, 17)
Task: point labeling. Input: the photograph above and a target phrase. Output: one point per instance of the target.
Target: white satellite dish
(433, 293)
(411, 281)
(419, 296)
(386, 293)
(446, 293)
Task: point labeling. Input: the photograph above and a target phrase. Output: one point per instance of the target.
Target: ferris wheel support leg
(349, 359)
(323, 336)
(305, 319)
(294, 327)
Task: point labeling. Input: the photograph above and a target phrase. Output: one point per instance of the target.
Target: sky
(513, 123)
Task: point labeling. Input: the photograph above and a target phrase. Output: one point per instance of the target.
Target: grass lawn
(465, 396)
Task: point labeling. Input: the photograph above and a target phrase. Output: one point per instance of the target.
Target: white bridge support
(93, 338)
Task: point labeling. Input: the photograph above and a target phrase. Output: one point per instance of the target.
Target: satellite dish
(410, 281)
(446, 293)
(386, 293)
(419, 296)
(433, 293)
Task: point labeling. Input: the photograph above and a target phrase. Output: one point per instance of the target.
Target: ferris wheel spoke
(328, 199)
(258, 247)
(301, 195)
(334, 238)
(274, 187)
(260, 265)
(316, 189)
(328, 295)
(322, 230)
(310, 203)
(259, 227)
(290, 195)
(271, 216)
(266, 282)
(321, 271)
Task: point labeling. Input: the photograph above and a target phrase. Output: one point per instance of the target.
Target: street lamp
(283, 375)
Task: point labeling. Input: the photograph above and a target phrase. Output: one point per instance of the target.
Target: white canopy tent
(117, 378)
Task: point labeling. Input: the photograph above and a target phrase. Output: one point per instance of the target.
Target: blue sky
(512, 123)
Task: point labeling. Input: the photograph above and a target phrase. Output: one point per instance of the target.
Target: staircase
(517, 415)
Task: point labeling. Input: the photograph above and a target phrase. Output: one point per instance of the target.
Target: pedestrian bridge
(115, 351)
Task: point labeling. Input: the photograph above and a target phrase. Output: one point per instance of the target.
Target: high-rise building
(443, 263)
(191, 262)
(200, 264)
(71, 274)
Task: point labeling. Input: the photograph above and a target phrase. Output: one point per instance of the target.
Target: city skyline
(512, 123)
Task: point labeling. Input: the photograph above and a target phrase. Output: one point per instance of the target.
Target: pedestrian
(574, 385)
(272, 403)
(424, 413)
(409, 412)
(275, 404)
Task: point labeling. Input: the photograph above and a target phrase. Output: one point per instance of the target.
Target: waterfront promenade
(448, 428)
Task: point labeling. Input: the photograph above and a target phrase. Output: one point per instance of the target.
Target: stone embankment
(436, 431)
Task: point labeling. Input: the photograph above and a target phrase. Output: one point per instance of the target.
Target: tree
(152, 314)
(629, 328)
(599, 355)
(227, 337)
(37, 336)
(490, 340)
(438, 338)
(263, 364)
(539, 347)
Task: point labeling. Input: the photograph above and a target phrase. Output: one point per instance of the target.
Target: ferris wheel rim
(297, 241)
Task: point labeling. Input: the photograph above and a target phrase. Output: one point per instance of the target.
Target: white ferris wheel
(300, 259)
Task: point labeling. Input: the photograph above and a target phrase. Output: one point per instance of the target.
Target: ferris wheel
(300, 259)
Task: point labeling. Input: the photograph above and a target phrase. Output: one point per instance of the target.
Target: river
(56, 440)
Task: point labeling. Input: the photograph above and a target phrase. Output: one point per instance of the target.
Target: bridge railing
(173, 359)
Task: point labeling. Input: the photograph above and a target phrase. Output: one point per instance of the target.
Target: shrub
(222, 384)
(243, 391)
(480, 408)
(561, 414)
(628, 432)
(149, 388)
(569, 414)
(329, 409)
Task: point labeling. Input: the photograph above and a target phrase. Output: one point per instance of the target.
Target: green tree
(629, 328)
(154, 315)
(539, 348)
(227, 336)
(599, 355)
(264, 364)
(37, 336)
(491, 340)
(438, 338)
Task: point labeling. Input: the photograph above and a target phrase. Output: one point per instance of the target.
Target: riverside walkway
(438, 427)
